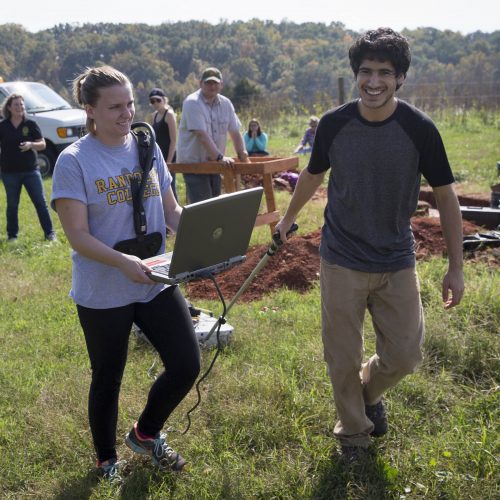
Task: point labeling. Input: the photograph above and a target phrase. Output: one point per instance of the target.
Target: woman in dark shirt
(165, 127)
(20, 138)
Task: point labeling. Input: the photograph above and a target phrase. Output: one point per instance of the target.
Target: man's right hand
(282, 228)
(227, 161)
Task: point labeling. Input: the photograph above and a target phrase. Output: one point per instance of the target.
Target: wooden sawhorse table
(263, 165)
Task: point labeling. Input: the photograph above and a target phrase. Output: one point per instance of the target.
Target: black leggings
(167, 323)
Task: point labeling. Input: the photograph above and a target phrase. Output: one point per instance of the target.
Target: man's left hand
(243, 157)
(453, 282)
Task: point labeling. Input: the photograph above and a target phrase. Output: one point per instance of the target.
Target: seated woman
(255, 139)
(306, 144)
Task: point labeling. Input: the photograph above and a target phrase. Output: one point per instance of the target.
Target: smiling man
(377, 148)
(207, 118)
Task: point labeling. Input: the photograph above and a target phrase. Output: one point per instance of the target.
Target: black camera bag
(143, 245)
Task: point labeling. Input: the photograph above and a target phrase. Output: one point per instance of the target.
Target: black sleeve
(433, 161)
(319, 161)
(35, 131)
(329, 126)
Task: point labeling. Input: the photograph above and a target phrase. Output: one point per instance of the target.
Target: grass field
(264, 427)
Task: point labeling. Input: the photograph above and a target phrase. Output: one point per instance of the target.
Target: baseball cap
(211, 74)
(156, 92)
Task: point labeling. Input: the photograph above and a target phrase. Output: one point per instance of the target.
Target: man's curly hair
(382, 44)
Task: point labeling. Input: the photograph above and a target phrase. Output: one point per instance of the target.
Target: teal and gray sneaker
(161, 453)
(110, 470)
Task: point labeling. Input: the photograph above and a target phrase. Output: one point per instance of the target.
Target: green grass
(471, 140)
(264, 427)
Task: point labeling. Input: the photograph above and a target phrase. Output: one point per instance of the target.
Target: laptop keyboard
(162, 269)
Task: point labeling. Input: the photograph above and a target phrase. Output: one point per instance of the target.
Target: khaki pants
(393, 300)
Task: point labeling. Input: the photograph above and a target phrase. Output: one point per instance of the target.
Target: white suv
(60, 123)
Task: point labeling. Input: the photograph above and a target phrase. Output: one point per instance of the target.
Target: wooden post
(341, 90)
(229, 181)
(267, 181)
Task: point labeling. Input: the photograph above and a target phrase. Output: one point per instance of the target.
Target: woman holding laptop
(92, 194)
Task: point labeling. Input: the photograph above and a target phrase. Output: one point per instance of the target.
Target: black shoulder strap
(146, 140)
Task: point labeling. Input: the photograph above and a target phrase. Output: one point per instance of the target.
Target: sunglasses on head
(154, 100)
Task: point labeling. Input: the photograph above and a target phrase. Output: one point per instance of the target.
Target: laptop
(213, 235)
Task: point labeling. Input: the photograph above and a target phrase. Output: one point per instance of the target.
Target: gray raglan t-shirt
(99, 176)
(374, 183)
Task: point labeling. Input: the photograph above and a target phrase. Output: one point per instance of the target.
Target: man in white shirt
(207, 118)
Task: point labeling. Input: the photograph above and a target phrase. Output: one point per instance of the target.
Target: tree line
(284, 65)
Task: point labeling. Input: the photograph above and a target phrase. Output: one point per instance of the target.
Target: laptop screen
(214, 231)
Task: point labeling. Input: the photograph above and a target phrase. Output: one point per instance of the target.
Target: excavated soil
(296, 264)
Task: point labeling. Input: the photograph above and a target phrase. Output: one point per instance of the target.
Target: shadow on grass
(361, 480)
(79, 487)
(143, 480)
(137, 484)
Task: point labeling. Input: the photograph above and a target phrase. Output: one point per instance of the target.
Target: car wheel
(46, 162)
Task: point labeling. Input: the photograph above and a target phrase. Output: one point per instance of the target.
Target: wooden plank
(237, 182)
(268, 218)
(257, 166)
(270, 166)
(210, 167)
(228, 179)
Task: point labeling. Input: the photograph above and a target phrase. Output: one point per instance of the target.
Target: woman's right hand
(134, 269)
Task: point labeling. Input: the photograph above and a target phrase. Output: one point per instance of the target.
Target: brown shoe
(376, 413)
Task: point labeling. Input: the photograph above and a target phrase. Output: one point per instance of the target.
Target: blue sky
(465, 16)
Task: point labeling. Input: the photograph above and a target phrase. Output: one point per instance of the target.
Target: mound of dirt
(296, 264)
(471, 199)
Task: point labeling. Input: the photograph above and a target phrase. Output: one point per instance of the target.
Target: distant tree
(181, 58)
(74, 64)
(43, 58)
(245, 68)
(287, 63)
(144, 71)
(15, 42)
(242, 93)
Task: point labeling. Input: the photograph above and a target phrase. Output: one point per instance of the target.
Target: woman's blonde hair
(87, 85)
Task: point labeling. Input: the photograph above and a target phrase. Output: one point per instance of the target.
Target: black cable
(221, 320)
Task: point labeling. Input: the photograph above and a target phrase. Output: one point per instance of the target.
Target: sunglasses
(152, 101)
